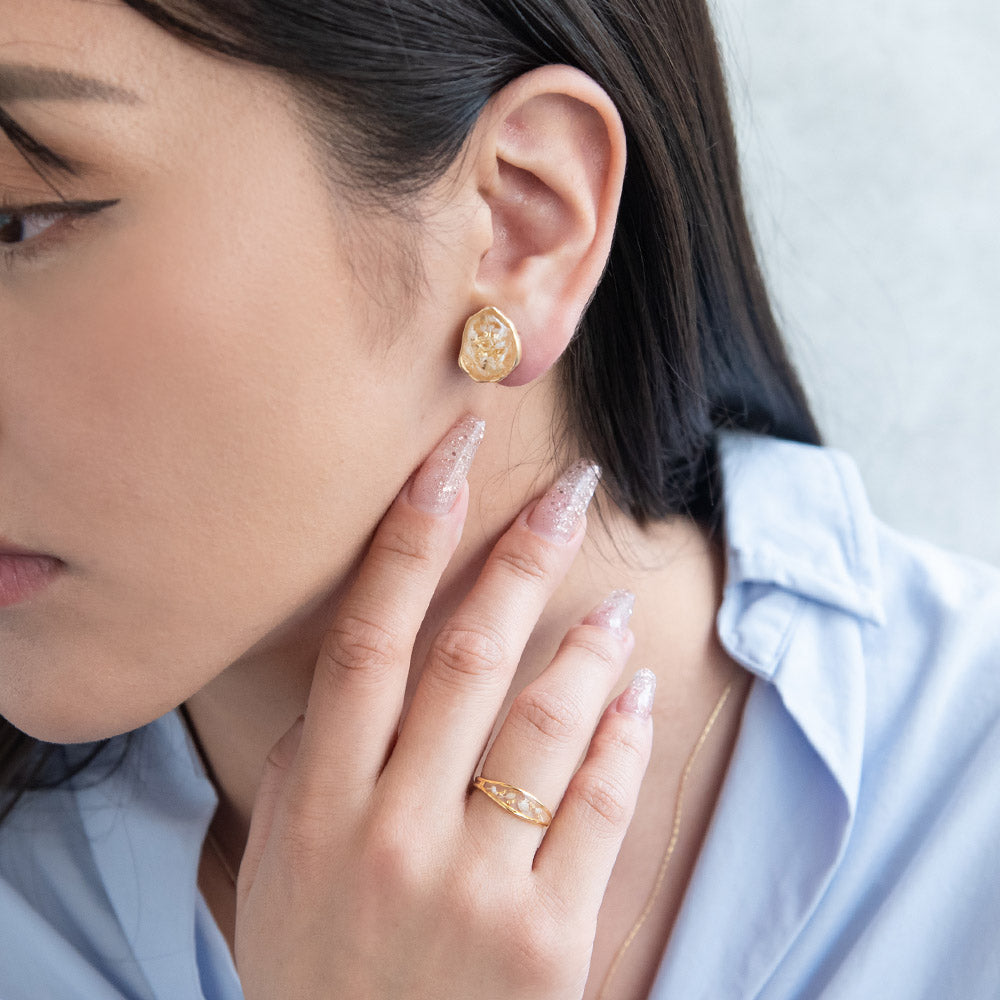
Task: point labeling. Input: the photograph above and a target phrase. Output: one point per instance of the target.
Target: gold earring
(491, 348)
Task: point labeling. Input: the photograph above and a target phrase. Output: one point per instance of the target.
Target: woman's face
(207, 398)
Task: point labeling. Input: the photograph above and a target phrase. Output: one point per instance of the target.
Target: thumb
(279, 763)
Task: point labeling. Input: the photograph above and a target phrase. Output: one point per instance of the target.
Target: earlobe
(552, 160)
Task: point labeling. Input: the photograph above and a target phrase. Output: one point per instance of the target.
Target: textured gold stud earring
(491, 348)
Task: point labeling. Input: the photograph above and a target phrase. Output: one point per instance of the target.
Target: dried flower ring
(515, 800)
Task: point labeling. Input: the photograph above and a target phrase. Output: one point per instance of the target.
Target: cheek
(207, 387)
(196, 439)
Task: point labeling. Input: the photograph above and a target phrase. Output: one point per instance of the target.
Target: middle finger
(549, 726)
(473, 659)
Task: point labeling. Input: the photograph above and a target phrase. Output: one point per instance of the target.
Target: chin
(51, 729)
(64, 720)
(59, 692)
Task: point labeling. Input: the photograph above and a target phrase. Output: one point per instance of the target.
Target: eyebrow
(19, 82)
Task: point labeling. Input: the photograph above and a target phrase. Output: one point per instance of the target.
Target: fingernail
(613, 613)
(559, 512)
(637, 698)
(437, 483)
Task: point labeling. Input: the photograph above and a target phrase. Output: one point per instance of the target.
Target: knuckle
(526, 564)
(544, 945)
(552, 716)
(623, 744)
(404, 549)
(595, 645)
(604, 801)
(538, 951)
(476, 907)
(469, 650)
(388, 860)
(356, 642)
(553, 907)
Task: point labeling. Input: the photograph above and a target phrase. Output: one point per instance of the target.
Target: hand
(372, 871)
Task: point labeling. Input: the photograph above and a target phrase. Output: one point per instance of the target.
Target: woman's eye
(28, 229)
(19, 227)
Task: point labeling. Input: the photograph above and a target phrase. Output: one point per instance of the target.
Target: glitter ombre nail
(437, 484)
(559, 512)
(637, 698)
(613, 613)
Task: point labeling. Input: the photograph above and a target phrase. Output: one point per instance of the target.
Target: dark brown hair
(679, 339)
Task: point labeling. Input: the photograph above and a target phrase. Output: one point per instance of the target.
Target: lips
(24, 573)
(10, 549)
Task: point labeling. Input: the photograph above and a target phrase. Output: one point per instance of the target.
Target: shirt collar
(145, 823)
(802, 522)
(803, 582)
(802, 588)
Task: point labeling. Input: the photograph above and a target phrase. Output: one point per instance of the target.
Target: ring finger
(549, 727)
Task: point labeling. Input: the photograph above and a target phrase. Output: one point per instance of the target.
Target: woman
(344, 596)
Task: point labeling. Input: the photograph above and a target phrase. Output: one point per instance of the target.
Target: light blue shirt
(854, 851)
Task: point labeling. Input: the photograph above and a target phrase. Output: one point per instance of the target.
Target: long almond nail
(613, 613)
(637, 698)
(559, 512)
(437, 483)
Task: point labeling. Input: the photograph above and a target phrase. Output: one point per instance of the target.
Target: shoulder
(878, 657)
(54, 915)
(931, 592)
(85, 910)
(940, 638)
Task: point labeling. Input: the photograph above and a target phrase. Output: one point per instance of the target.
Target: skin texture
(212, 391)
(215, 363)
(201, 369)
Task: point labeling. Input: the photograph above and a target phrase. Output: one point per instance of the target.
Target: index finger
(360, 679)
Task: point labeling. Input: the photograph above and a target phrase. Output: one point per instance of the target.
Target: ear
(549, 154)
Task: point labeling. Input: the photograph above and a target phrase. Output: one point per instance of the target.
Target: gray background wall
(870, 132)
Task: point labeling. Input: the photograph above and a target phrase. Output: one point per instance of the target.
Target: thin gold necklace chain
(671, 844)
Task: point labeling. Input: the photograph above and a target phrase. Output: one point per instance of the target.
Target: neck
(674, 570)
